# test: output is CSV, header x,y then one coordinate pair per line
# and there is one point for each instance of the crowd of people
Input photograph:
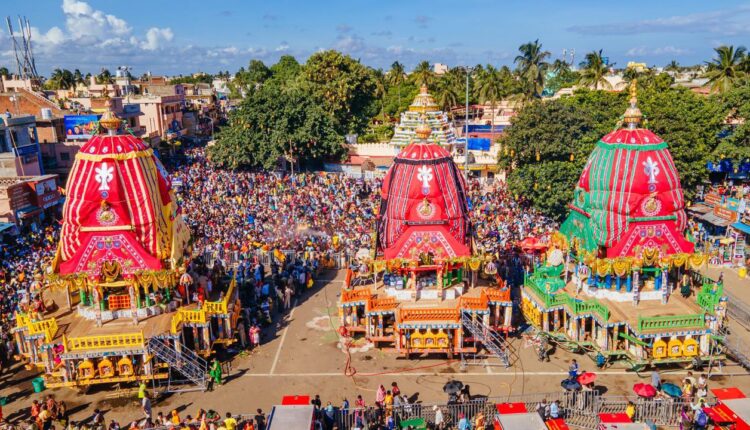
x,y
499,220
238,211
21,263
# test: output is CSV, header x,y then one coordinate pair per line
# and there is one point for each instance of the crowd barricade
x,y
580,409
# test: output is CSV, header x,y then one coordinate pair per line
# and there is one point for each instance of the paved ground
x,y
303,357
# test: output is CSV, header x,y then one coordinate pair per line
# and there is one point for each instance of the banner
x,y
80,126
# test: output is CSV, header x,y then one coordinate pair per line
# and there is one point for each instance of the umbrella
x,y
644,390
671,390
453,387
570,384
586,378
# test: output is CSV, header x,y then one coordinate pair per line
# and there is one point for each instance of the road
x,y
303,357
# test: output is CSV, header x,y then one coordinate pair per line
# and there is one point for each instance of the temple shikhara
x,y
617,280
424,109
119,305
423,292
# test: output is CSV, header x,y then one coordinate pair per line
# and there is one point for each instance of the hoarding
x,y
80,126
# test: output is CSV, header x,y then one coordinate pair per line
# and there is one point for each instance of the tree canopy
x,y
269,125
344,87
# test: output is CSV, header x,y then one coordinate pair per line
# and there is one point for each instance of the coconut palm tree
x,y
380,89
492,85
593,71
422,74
560,67
61,79
449,89
78,77
532,67
727,68
396,77
673,66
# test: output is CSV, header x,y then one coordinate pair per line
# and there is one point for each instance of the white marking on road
x,y
283,336
512,374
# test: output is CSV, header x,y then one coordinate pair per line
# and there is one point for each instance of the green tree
x,y
491,86
285,72
78,78
396,76
689,123
593,71
381,90
4,72
673,66
423,74
61,79
726,69
532,68
448,91
546,146
269,125
550,131
344,87
736,145
104,77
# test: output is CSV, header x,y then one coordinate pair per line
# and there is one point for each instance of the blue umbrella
x,y
570,384
671,390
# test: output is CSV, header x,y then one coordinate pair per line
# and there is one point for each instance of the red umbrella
x,y
644,390
586,378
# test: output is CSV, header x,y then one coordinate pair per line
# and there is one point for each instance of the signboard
x,y
713,199
26,150
20,196
80,126
725,213
45,191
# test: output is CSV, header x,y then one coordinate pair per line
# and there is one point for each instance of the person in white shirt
x,y
439,420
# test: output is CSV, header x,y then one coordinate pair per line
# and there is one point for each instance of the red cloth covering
x,y
295,400
614,418
721,414
557,424
650,234
728,393
629,186
423,198
118,208
511,408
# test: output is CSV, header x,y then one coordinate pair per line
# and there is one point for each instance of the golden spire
x,y
423,131
633,115
423,89
109,121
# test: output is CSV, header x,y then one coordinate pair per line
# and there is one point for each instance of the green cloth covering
x,y
578,226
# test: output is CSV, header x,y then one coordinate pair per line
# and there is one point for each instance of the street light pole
x,y
466,131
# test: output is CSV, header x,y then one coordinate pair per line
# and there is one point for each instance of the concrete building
x,y
19,147
26,199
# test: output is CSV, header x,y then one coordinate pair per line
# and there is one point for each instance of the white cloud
x,y
99,40
643,51
155,38
731,21
82,21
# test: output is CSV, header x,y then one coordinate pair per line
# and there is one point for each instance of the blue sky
x,y
184,36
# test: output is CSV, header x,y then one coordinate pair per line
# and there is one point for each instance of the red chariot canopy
x,y
424,208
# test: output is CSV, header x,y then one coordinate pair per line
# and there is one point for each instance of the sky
x,y
181,37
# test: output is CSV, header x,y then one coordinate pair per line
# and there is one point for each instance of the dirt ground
x,y
303,357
